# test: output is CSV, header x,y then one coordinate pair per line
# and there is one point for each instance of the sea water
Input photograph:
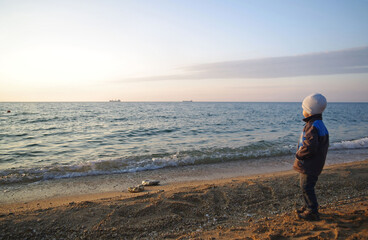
x,y
44,141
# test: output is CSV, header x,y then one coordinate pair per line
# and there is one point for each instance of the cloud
x,y
347,61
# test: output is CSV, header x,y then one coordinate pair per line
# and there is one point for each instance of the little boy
x,y
311,153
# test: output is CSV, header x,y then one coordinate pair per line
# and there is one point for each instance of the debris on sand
x,y
137,189
150,182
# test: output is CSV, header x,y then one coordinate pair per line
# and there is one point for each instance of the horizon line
x,y
183,101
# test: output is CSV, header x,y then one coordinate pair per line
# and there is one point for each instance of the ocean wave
x,y
13,135
128,164
145,132
41,120
352,144
143,163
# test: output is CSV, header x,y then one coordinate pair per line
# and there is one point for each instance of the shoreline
x,y
180,182
222,208
114,183
170,178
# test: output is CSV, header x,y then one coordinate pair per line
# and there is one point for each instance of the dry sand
x,y
256,207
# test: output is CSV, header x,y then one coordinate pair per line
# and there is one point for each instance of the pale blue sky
x,y
176,50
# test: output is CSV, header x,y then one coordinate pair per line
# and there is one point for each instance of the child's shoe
x,y
309,215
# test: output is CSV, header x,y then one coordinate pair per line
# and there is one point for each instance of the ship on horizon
x,y
114,100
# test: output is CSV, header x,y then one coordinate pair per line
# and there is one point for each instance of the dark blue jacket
x,y
312,147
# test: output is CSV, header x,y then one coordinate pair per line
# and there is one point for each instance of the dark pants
x,y
307,184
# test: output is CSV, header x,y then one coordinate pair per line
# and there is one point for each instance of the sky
x,y
171,50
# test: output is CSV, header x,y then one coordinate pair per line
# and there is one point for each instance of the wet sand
x,y
251,207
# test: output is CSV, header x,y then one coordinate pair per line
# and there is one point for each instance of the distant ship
x,y
187,100
115,100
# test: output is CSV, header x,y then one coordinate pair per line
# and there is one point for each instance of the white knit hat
x,y
314,104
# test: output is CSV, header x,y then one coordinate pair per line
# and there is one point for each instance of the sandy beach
x,y
250,207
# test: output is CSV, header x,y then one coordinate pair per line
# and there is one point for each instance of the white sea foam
x,y
136,164
150,162
353,144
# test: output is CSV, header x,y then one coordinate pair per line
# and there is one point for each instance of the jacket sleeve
x,y
310,144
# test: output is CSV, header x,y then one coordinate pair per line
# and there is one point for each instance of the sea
x,y
47,141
